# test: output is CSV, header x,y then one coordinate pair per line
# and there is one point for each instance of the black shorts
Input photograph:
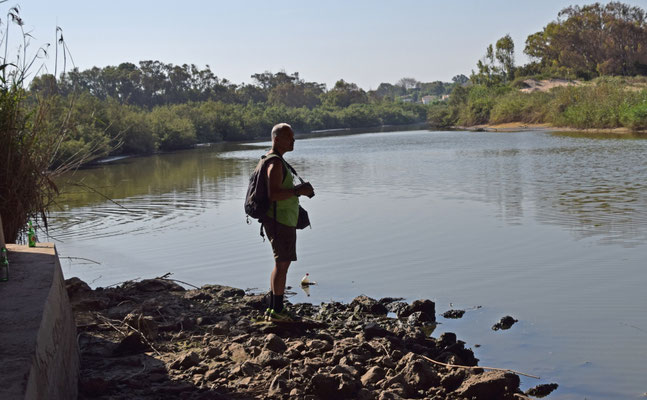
x,y
284,240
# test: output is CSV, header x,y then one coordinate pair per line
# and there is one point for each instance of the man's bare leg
x,y
277,283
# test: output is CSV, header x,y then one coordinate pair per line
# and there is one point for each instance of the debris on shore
x,y
155,339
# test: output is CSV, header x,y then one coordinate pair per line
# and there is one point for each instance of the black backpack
x,y
257,202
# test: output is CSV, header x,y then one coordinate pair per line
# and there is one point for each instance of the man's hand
x,y
305,189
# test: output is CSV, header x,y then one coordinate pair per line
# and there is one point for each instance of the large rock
x,y
131,344
489,385
334,386
75,286
275,343
83,298
390,395
318,345
238,353
372,376
452,380
453,314
271,359
446,339
257,302
186,361
344,369
155,285
146,325
323,386
399,308
419,318
365,304
421,375
247,368
504,323
373,330
197,295
543,390
397,384
224,291
347,385
426,306
279,385
212,375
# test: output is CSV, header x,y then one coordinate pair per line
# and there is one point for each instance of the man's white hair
x,y
280,128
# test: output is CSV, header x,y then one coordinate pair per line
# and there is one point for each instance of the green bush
x,y
479,102
439,115
171,130
520,107
591,106
635,116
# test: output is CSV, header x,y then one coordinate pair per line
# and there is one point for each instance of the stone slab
x,y
39,356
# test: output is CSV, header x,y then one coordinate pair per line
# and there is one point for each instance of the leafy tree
x,y
344,94
408,83
496,66
171,130
593,40
389,91
298,95
505,56
460,79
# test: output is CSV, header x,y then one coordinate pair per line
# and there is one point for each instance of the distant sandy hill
x,y
533,85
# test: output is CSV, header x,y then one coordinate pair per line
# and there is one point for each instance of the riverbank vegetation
x,y
29,138
595,55
155,106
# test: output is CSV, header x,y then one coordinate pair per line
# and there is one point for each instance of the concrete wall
x,y
39,357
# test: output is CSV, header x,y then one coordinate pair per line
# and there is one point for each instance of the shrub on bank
x,y
599,105
518,106
606,102
478,104
440,115
172,130
635,116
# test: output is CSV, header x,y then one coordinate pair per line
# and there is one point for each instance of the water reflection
x,y
591,187
594,189
113,199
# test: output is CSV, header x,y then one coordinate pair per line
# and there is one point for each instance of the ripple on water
x,y
137,215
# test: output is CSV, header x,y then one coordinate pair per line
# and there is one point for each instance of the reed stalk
x,y
29,140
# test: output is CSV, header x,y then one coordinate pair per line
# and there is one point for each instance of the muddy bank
x,y
520,127
154,339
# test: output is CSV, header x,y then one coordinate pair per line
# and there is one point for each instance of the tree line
x,y
139,109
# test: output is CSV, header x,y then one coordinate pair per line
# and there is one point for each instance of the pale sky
x,y
365,42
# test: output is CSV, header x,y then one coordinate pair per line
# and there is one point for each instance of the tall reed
x,y
29,142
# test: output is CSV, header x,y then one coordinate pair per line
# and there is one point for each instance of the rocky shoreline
x,y
154,339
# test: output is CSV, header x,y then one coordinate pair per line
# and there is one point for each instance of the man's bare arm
x,y
275,178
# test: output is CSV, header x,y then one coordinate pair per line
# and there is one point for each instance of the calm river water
x,y
549,228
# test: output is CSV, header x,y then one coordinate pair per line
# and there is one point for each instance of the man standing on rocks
x,y
281,219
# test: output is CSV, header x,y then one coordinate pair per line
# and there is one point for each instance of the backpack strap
x,y
286,164
283,163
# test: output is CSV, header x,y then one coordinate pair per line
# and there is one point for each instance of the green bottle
x,y
4,266
31,235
